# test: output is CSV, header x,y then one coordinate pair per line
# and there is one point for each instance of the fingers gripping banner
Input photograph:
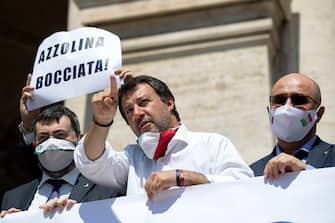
x,y
296,197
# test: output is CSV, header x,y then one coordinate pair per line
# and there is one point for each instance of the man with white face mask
x,y
57,132
167,154
294,111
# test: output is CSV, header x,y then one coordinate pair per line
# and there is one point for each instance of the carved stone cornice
x,y
155,29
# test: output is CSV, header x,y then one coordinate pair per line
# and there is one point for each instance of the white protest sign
x,y
73,63
296,197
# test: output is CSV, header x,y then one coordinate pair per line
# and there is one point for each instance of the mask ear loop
x,y
317,110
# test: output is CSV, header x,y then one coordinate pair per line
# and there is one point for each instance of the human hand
x,y
62,203
125,74
159,181
27,117
9,211
281,164
104,103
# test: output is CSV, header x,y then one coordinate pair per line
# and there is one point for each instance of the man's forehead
x,y
294,84
140,90
47,123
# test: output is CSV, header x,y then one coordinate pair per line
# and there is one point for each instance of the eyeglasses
x,y
296,99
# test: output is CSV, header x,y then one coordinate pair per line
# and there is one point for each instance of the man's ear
x,y
170,104
320,113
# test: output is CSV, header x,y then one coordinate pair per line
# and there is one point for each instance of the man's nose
x,y
138,110
289,101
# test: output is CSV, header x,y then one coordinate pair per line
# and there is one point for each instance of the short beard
x,y
165,122
59,173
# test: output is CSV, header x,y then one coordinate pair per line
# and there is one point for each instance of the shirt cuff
x,y
80,152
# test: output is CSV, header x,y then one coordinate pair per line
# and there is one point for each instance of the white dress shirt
x,y
44,189
208,153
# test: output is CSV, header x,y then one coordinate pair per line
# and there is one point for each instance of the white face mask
x,y
154,144
148,142
55,154
291,124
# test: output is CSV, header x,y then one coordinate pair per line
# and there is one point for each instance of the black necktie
x,y
301,154
56,184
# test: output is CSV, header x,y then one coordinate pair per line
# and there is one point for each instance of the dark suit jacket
x,y
321,155
83,191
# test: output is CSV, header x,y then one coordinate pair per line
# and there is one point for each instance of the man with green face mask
x,y
56,133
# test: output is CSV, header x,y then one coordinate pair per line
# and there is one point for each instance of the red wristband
x,y
180,178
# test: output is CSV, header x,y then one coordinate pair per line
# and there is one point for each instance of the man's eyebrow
x,y
43,133
141,97
127,106
61,131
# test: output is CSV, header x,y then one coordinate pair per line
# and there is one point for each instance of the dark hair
x,y
161,89
55,112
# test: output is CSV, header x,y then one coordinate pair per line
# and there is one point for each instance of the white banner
x,y
74,63
297,197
